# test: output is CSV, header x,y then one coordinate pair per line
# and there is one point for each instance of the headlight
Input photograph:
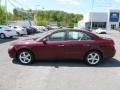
x,y
11,47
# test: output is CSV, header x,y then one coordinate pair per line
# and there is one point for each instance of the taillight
x,y
8,30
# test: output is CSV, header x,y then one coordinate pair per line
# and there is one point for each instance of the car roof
x,y
79,30
69,29
60,30
3,26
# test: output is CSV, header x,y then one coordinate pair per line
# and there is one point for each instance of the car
x,y
20,31
34,29
29,30
41,28
75,27
101,31
52,27
64,44
6,32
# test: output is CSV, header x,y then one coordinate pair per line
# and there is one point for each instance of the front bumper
x,y
12,52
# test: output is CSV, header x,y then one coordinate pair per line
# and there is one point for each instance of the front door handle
x,y
61,45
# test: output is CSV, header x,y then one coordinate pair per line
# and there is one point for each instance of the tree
x,y
2,15
60,17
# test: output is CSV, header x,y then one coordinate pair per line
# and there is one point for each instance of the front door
x,y
54,47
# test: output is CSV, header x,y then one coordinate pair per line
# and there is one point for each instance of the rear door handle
x,y
61,45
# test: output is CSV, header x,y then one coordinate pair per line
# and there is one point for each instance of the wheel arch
x,y
3,33
21,49
93,50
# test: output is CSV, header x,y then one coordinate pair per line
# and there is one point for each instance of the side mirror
x,y
44,40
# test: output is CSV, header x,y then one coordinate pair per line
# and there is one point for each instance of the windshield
x,y
44,34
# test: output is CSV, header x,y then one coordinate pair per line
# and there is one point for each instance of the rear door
x,y
76,45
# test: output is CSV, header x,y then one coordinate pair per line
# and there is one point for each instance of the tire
x,y
11,37
18,33
93,58
2,35
25,57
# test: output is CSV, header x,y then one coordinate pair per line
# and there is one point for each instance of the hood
x,y
26,42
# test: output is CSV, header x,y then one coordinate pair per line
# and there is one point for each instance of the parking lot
x,y
59,75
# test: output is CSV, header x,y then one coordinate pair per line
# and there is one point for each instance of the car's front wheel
x,y
2,36
25,57
93,58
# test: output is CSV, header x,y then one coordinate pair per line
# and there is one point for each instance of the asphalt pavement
x,y
59,75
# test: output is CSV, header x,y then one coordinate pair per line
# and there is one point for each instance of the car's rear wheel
x,y
2,36
93,58
25,57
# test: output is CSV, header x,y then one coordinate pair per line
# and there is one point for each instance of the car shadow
x,y
7,40
107,63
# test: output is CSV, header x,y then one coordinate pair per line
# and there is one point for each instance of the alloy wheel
x,y
93,58
25,57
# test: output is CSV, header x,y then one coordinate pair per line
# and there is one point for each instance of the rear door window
x,y
75,35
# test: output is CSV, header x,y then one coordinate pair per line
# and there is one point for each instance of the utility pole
x,y
37,14
6,12
91,15
29,17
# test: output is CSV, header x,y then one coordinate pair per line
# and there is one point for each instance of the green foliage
x,y
2,15
41,17
62,18
21,14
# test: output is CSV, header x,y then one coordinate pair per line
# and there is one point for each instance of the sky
x,y
71,6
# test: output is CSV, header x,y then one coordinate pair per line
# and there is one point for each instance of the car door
x,y
76,45
53,48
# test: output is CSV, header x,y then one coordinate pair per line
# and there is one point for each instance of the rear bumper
x,y
109,53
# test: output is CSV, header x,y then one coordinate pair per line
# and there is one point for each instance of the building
x,y
114,19
108,20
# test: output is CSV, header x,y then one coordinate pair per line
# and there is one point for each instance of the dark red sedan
x,y
64,45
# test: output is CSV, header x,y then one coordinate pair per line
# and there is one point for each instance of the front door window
x,y
59,36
